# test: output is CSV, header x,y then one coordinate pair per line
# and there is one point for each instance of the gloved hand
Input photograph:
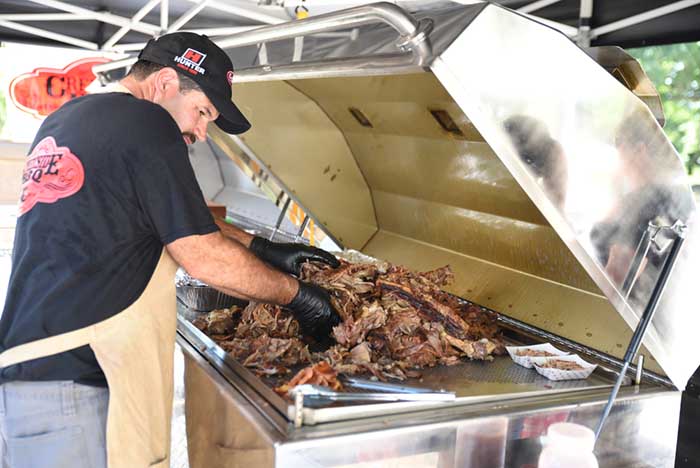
x,y
289,257
313,310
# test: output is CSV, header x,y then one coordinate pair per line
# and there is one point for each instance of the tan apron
x,y
135,351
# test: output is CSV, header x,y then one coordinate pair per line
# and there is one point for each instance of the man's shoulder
x,y
118,103
118,110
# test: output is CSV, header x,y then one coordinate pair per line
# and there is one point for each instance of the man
x,y
107,186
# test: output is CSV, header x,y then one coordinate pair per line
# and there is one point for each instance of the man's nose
x,y
200,130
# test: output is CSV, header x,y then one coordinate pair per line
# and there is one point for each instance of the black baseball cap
x,y
198,58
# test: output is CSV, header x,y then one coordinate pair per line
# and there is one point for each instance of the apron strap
x,y
47,346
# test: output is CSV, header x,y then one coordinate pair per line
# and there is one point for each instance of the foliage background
x,y
675,71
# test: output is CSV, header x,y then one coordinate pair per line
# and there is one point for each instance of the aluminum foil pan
x,y
204,298
200,296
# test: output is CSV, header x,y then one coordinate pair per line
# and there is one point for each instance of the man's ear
x,y
166,82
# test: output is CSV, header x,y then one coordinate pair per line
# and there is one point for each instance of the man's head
x,y
190,77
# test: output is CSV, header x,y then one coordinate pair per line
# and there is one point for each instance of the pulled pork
x,y
218,323
394,321
318,374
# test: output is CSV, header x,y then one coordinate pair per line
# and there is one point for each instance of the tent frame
x,y
261,13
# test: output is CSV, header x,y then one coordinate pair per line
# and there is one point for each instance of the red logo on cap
x,y
51,173
229,77
194,56
191,61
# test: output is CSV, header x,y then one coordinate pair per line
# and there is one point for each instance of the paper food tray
x,y
557,374
525,360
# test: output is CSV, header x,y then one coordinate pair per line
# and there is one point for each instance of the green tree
x,y
675,71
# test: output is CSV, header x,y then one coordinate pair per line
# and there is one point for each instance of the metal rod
x,y
188,15
329,3
646,16
221,31
643,324
262,55
365,66
357,396
298,49
280,218
227,31
413,37
126,48
245,12
49,35
656,294
639,255
394,16
135,19
302,228
280,196
640,370
44,17
109,18
103,67
164,14
583,36
530,7
586,9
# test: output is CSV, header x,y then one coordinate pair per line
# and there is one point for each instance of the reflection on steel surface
x,y
502,438
588,153
215,391
482,443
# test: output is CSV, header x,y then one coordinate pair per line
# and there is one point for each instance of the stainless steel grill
x,y
492,148
471,381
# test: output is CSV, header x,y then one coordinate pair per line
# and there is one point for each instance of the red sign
x,y
52,172
45,89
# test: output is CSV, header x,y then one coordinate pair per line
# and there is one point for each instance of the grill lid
x,y
502,126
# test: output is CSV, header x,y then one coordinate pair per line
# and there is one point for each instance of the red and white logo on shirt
x,y
191,61
52,172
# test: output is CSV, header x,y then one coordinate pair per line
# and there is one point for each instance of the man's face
x,y
191,110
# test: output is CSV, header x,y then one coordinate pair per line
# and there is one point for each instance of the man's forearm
x,y
229,230
229,266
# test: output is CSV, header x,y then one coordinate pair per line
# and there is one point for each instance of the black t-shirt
x,y
107,184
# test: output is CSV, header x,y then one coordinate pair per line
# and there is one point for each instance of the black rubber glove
x,y
313,310
289,257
